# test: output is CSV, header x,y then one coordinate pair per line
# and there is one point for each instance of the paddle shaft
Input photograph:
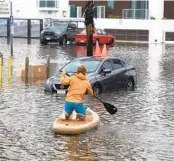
x,y
98,98
110,108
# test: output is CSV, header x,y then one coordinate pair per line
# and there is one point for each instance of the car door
x,y
119,71
100,36
72,31
106,80
106,37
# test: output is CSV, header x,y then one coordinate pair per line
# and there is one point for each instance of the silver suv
x,y
59,32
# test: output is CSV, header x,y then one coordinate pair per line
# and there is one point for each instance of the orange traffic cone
x,y
104,51
97,50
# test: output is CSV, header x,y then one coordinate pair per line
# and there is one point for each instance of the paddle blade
x,y
110,108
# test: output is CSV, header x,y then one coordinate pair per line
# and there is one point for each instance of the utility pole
x,y
89,14
11,28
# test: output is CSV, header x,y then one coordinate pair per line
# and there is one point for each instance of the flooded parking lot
x,y
142,129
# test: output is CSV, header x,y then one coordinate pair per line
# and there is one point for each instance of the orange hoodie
x,y
79,85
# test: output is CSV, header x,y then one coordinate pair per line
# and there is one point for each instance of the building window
x,y
111,4
136,4
100,11
47,3
139,9
73,11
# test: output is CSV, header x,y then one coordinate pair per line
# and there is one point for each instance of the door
x,y
106,79
100,36
119,71
106,37
72,31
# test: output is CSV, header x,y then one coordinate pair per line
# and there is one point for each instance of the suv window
x,y
72,26
117,64
59,27
103,32
106,65
99,32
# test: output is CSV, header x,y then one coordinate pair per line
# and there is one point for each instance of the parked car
x,y
59,32
104,74
100,35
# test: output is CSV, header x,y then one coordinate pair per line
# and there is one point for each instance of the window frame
x,y
46,4
75,16
103,32
121,62
101,67
100,13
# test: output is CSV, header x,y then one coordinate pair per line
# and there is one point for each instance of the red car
x,y
100,35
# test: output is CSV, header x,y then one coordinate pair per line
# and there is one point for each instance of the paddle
x,y
110,108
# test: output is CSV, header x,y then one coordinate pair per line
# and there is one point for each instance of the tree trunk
x,y
89,30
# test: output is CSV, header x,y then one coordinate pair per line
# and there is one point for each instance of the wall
x,y
117,11
169,9
156,8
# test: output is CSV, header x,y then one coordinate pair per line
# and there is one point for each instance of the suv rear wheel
x,y
64,40
111,42
43,42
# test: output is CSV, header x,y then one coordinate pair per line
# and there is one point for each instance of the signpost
x,y
6,11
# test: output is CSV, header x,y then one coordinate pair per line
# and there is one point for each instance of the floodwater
x,y
141,130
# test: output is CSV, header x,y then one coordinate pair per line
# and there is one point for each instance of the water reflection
x,y
0,73
155,54
82,50
79,148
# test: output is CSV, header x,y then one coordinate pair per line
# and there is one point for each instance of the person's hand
x,y
64,74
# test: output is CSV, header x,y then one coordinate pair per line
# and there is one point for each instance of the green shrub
x,y
114,17
152,18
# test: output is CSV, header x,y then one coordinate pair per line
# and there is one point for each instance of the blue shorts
x,y
78,107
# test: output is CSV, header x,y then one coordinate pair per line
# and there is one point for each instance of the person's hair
x,y
82,69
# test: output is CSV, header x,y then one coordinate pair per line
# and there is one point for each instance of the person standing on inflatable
x,y
78,86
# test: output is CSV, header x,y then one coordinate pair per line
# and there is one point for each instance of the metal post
x,y
48,67
8,30
11,27
26,69
41,25
29,31
9,72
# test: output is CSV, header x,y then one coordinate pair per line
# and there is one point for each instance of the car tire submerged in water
x,y
97,89
43,43
130,84
63,41
111,42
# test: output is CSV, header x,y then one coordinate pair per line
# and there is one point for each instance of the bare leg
x,y
80,117
67,116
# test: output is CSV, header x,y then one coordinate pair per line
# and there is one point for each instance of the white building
x,y
63,8
133,14
40,8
